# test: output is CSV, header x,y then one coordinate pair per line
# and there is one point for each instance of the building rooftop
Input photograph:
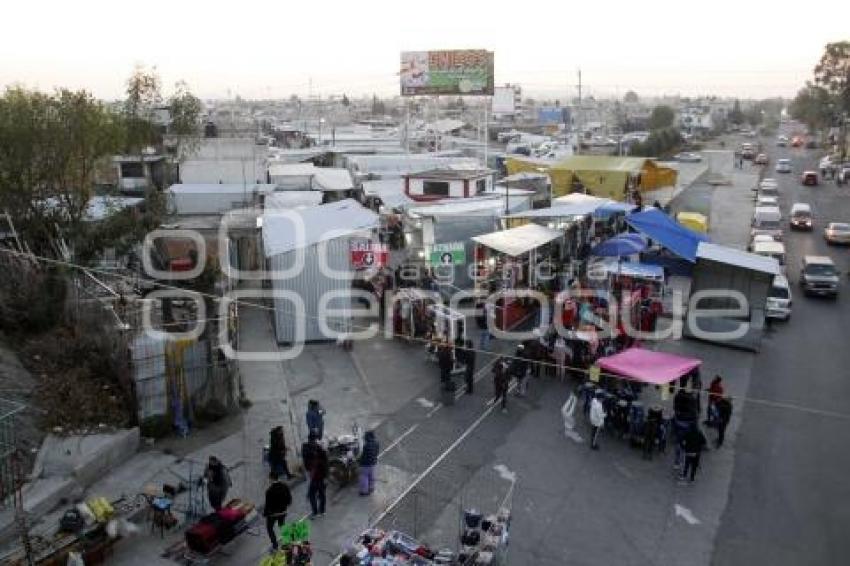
x,y
450,174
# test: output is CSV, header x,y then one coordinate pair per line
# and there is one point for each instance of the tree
x,y
832,74
52,149
736,116
812,107
345,101
661,117
185,109
378,108
143,96
631,97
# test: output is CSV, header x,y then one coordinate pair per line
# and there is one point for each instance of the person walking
x,y
500,383
316,464
597,420
693,444
469,370
278,500
715,393
368,461
218,482
559,352
446,362
277,454
519,370
489,324
315,419
723,408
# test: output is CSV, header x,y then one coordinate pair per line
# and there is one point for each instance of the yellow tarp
x,y
602,176
694,221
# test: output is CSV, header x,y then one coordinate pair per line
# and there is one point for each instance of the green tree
x,y
143,96
631,97
832,73
812,107
185,109
736,115
661,117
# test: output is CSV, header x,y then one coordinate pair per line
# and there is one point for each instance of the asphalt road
x,y
789,501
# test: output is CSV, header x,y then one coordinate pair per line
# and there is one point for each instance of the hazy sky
x,y
275,48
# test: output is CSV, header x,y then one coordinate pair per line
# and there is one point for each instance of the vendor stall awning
x,y
561,211
656,368
517,241
738,258
631,269
657,225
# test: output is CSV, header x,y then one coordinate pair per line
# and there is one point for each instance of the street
x,y
791,461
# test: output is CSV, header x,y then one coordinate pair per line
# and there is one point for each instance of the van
x,y
779,299
801,216
774,249
818,276
767,220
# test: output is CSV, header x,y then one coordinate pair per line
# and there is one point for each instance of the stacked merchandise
x,y
220,527
484,539
376,547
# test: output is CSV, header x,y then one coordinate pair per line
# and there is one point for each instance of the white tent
x,y
518,241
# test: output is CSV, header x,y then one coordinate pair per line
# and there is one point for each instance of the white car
x,y
759,239
765,200
783,166
779,299
837,233
782,141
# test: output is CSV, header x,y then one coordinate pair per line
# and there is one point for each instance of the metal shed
x,y
318,239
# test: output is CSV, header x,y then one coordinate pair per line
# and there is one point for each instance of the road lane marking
x,y
398,440
686,514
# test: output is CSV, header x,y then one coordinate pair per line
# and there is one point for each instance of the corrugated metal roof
x,y
738,258
562,211
282,232
602,163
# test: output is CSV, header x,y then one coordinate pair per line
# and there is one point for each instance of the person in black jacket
x,y
277,453
469,362
278,500
693,444
724,414
218,482
316,464
446,362
368,461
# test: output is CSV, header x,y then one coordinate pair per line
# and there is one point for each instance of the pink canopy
x,y
647,366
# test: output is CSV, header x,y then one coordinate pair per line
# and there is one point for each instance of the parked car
x,y
767,220
809,178
783,165
779,299
773,249
818,276
761,159
837,233
801,216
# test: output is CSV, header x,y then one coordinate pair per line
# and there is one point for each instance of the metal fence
x,y
9,476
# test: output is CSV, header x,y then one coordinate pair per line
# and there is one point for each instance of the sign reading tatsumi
x,y
454,72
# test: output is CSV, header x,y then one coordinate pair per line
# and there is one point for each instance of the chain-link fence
x,y
8,447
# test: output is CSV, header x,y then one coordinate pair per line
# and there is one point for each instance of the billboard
x,y
503,100
453,253
553,115
368,254
454,72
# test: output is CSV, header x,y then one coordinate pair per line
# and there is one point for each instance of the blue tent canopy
x,y
611,208
656,225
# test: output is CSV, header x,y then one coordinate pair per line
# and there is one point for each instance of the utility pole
x,y
578,116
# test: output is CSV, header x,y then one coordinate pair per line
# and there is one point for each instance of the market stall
x,y
412,317
507,262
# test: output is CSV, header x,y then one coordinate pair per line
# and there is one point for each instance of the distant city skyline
x,y
258,50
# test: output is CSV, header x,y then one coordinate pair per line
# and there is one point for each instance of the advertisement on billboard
x,y
503,100
368,254
453,253
553,115
454,72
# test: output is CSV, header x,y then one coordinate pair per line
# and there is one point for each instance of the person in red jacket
x,y
316,463
715,394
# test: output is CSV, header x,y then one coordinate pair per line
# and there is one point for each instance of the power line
x,y
424,341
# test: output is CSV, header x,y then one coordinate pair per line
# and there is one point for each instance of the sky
x,y
272,49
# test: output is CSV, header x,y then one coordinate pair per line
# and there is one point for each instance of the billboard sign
x,y
503,100
453,253
453,72
553,115
368,254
